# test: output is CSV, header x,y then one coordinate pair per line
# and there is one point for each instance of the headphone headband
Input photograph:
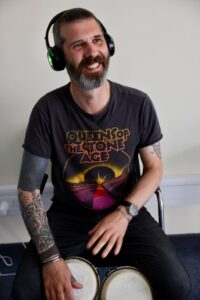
x,y
55,55
53,21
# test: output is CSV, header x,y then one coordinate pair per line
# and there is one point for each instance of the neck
x,y
92,101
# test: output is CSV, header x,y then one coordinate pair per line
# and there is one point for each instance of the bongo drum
x,y
125,283
84,272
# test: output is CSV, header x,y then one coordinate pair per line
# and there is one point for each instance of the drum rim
x,y
114,270
93,268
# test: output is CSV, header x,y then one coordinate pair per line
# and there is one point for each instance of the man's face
x,y
86,53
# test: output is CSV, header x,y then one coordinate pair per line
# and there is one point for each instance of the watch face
x,y
133,210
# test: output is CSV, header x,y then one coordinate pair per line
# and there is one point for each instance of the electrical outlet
x,y
3,208
9,200
13,208
9,207
9,203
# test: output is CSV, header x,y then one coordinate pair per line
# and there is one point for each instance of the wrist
x,y
131,208
52,260
124,212
49,254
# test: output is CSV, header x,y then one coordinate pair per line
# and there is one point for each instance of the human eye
x,y
78,45
98,40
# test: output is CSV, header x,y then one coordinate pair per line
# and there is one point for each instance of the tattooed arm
x,y
35,218
32,207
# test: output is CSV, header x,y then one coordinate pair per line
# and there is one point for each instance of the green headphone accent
x,y
55,55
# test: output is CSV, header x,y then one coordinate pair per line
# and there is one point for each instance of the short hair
x,y
70,16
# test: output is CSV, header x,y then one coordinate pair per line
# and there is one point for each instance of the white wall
x,y
157,50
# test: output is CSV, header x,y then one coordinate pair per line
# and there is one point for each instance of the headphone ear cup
x,y
110,43
56,58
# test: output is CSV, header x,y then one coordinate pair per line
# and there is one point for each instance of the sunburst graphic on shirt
x,y
96,178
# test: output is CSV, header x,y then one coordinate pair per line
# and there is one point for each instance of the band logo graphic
x,y
95,146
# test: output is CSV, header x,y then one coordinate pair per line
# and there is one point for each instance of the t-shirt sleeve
x,y
38,133
150,131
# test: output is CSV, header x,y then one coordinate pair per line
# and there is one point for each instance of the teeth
x,y
93,66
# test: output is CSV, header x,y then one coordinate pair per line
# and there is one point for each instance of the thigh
x,y
148,248
28,279
70,232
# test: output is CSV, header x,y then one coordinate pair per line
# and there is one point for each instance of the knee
x,y
23,292
182,286
176,286
17,292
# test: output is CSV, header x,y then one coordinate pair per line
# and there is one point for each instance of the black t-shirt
x,y
94,157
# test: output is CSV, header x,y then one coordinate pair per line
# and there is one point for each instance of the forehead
x,y
80,29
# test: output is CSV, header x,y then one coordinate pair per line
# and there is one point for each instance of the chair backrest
x,y
42,185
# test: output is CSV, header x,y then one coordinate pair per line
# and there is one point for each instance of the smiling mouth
x,y
93,66
92,63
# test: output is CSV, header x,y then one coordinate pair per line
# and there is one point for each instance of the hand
x,y
109,232
58,281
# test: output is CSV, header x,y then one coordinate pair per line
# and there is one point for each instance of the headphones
x,y
55,54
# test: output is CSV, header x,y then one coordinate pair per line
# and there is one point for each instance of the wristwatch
x,y
132,208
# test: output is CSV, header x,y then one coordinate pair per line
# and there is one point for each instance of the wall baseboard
x,y
176,190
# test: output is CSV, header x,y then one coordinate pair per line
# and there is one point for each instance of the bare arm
x,y
109,232
151,177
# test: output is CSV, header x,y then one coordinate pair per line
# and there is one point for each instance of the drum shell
x,y
106,292
84,277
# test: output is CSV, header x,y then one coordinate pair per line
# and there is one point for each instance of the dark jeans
x,y
145,247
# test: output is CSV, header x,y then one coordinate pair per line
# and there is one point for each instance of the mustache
x,y
91,60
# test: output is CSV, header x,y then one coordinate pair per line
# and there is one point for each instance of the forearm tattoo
x,y
156,149
35,218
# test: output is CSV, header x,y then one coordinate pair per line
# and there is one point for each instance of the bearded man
x,y
94,131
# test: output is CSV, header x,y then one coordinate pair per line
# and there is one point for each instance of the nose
x,y
90,49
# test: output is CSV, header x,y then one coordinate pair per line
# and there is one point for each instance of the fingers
x,y
114,241
118,245
101,243
109,246
107,239
108,234
59,286
47,294
51,294
96,234
69,291
75,283
62,296
59,294
68,294
94,229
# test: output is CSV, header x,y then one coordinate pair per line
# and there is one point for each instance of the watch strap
x,y
125,203
132,208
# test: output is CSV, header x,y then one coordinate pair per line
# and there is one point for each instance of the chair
x,y
161,219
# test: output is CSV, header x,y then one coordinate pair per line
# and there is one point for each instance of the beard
x,y
85,80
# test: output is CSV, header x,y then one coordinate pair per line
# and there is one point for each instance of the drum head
x,y
125,283
85,273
